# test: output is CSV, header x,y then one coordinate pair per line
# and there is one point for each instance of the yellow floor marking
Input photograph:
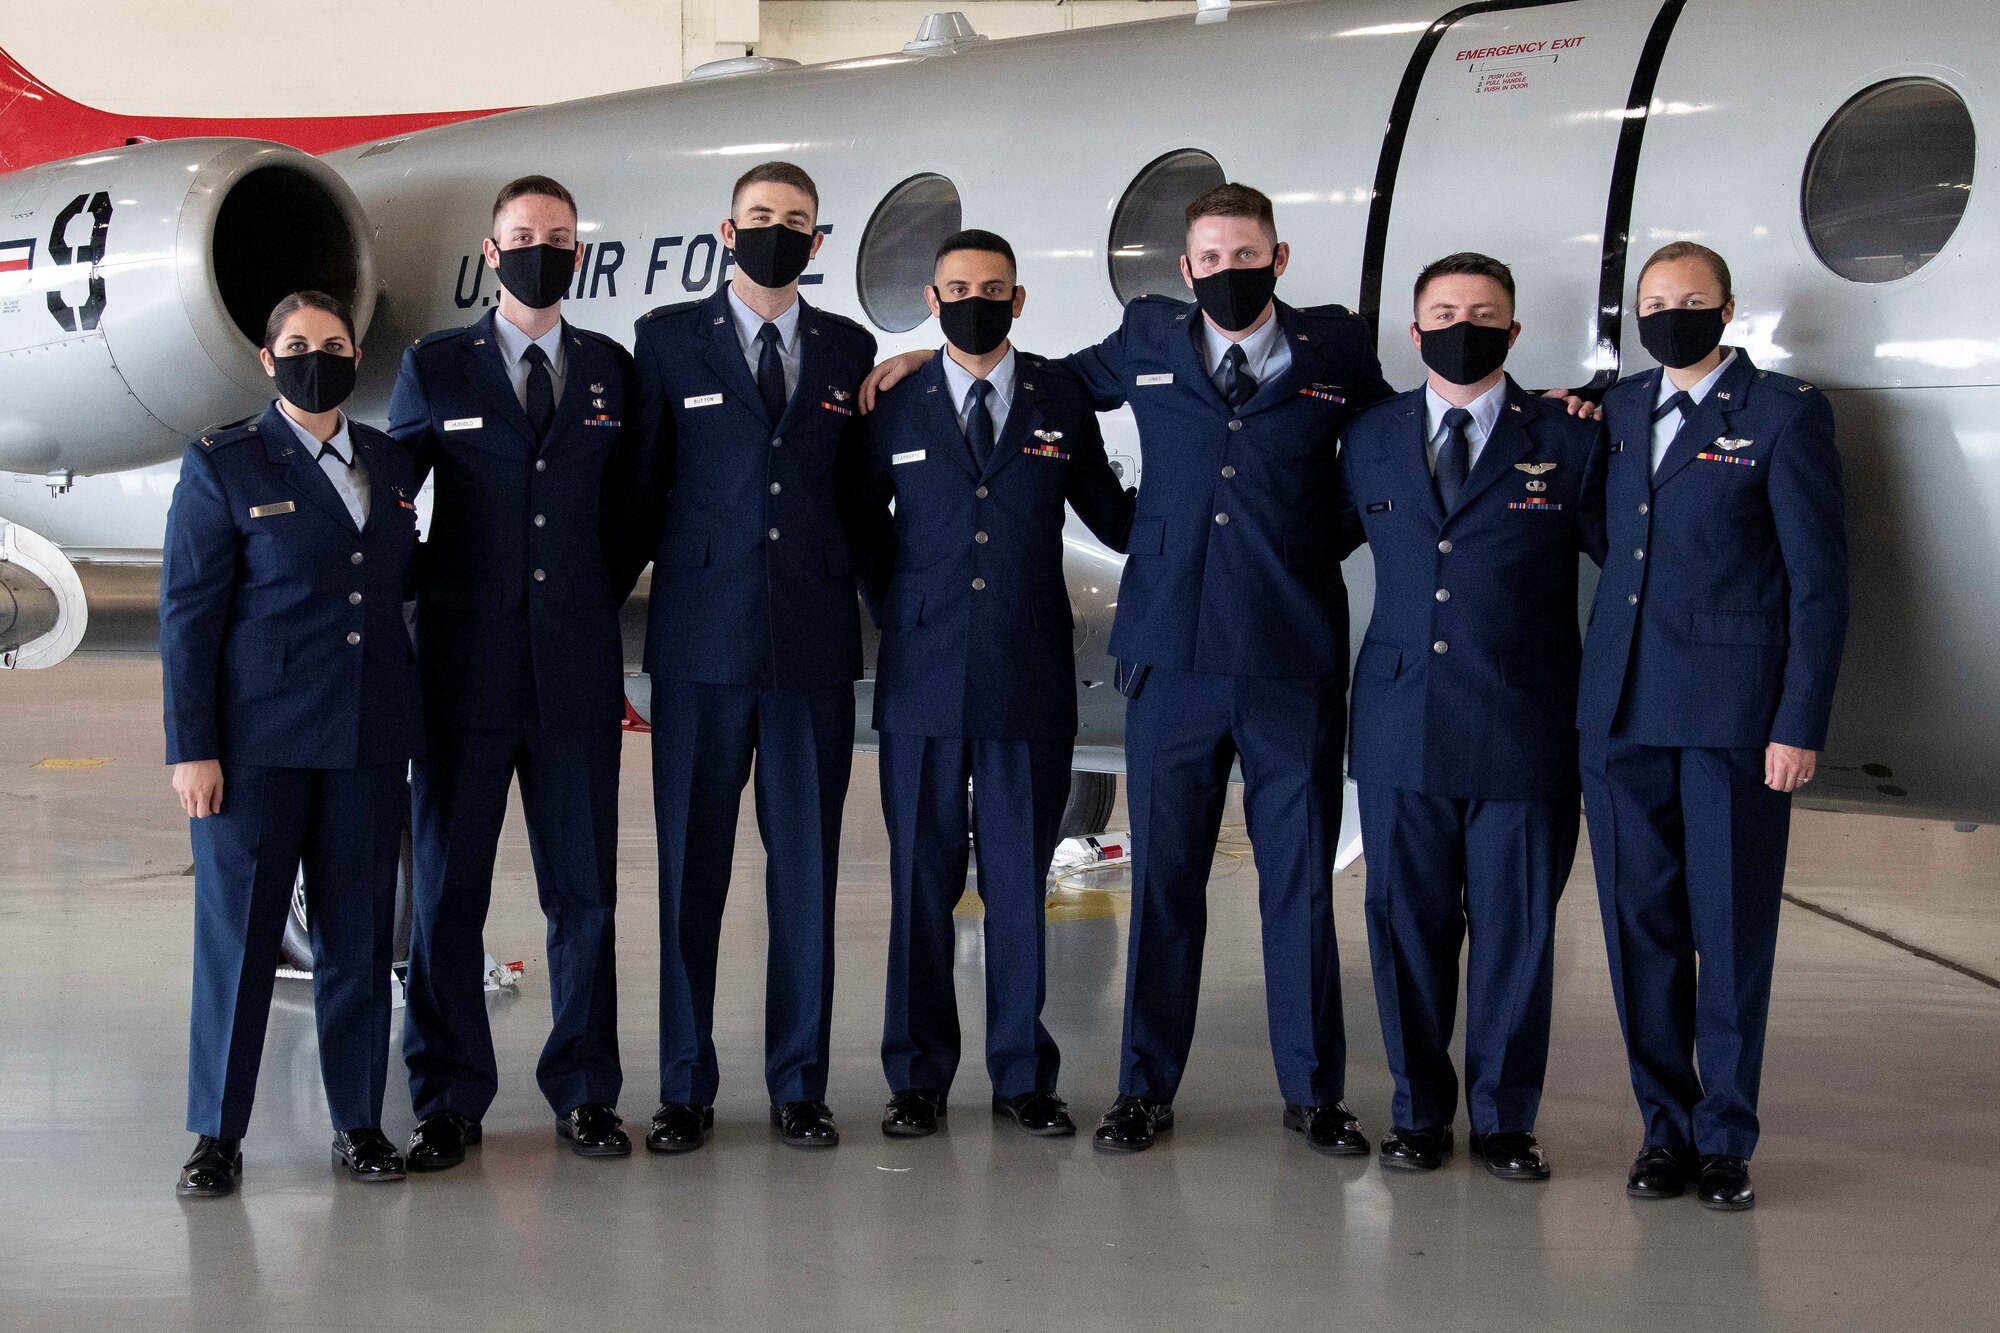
x,y
70,763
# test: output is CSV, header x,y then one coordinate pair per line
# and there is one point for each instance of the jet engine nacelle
x,y
132,306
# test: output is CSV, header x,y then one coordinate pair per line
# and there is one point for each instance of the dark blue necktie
x,y
979,425
1680,403
541,395
1453,460
1232,379
771,373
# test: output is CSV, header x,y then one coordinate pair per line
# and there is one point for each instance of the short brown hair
x,y
306,300
776,173
1233,201
1674,250
526,185
1466,263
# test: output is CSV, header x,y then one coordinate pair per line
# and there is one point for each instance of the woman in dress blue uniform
x,y
1707,681
292,712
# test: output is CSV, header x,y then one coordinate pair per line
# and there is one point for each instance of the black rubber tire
x,y
295,951
1091,797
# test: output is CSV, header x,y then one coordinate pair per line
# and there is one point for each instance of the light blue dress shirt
x,y
1485,411
959,380
514,345
1265,355
341,463
749,324
1669,425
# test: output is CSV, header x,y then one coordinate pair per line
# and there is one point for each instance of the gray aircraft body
x,y
1828,151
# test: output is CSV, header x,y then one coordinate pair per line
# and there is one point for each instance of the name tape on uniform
x,y
265,511
702,400
465,423
1143,380
914,456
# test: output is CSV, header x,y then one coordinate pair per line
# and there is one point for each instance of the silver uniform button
x,y
1229,470
354,599
980,494
1631,599
1440,647
1222,520
979,537
541,465
776,487
541,575
354,559
1445,547
1639,554
541,521
354,636
774,534
979,585
1444,594
1643,508
1236,425
777,440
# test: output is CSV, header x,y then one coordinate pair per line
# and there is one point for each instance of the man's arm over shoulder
x,y
1101,369
1093,489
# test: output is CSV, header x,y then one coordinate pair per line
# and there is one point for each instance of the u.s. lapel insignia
x,y
1027,386
1724,442
1048,436
719,319
479,342
1514,407
1723,394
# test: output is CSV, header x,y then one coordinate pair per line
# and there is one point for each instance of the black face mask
x,y
1465,352
314,381
537,275
773,256
976,325
1679,337
1234,297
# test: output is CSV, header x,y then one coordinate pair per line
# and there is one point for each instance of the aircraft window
x,y
1889,179
1149,230
898,247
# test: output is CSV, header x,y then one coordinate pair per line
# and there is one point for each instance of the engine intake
x,y
153,270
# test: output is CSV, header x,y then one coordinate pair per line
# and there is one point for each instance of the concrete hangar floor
x,y
1878,1179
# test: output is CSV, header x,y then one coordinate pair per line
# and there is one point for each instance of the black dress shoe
x,y
367,1155
1725,1184
1415,1149
592,1131
1658,1173
679,1127
1511,1155
440,1140
1132,1124
1039,1113
212,1170
913,1114
1332,1129
805,1124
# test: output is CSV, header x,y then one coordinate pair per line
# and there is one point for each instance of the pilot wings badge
x,y
1536,469
1724,442
1048,436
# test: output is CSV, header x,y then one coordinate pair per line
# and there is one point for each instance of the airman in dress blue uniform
x,y
1231,639
1708,677
519,419
747,485
292,711
975,680
1476,499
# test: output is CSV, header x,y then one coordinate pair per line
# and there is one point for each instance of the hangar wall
x,y
366,57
